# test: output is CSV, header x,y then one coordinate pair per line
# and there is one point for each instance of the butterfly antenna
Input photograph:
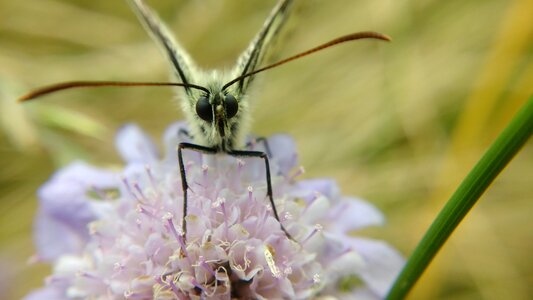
x,y
49,89
340,40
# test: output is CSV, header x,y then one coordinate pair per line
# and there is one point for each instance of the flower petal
x,y
354,213
46,293
283,150
172,138
245,259
66,208
316,211
382,264
134,145
262,287
307,189
53,238
67,196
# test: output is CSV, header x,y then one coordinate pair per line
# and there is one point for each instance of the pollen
x,y
269,257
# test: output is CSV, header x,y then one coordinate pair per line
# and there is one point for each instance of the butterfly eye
x,y
204,109
231,106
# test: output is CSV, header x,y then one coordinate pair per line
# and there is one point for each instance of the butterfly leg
x,y
260,140
183,175
264,156
185,133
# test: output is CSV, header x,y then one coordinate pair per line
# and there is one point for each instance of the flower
x,y
115,234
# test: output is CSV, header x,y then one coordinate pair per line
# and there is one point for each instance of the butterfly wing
x,y
179,58
252,57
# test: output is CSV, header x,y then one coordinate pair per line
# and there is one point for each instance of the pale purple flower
x,y
115,233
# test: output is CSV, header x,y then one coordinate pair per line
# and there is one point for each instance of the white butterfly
x,y
219,116
215,103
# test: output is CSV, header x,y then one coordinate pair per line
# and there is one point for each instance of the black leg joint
x,y
264,156
183,176
261,140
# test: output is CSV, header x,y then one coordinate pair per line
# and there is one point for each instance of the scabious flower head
x,y
116,234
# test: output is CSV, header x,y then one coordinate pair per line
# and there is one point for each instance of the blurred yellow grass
x,y
389,121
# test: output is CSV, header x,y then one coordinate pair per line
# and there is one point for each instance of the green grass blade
x,y
476,182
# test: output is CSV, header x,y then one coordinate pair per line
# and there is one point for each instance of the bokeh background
x,y
399,124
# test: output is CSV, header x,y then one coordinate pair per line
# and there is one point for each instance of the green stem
x,y
476,182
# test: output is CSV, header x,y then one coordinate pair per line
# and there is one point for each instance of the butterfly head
x,y
217,110
216,114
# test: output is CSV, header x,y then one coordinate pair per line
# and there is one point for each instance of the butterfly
x,y
215,103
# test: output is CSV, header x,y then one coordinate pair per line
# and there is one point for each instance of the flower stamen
x,y
317,228
178,235
128,187
300,171
250,193
139,190
148,169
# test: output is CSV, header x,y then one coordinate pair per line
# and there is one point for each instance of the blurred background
x,y
399,123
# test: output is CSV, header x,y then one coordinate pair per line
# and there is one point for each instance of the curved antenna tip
x,y
24,98
369,35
